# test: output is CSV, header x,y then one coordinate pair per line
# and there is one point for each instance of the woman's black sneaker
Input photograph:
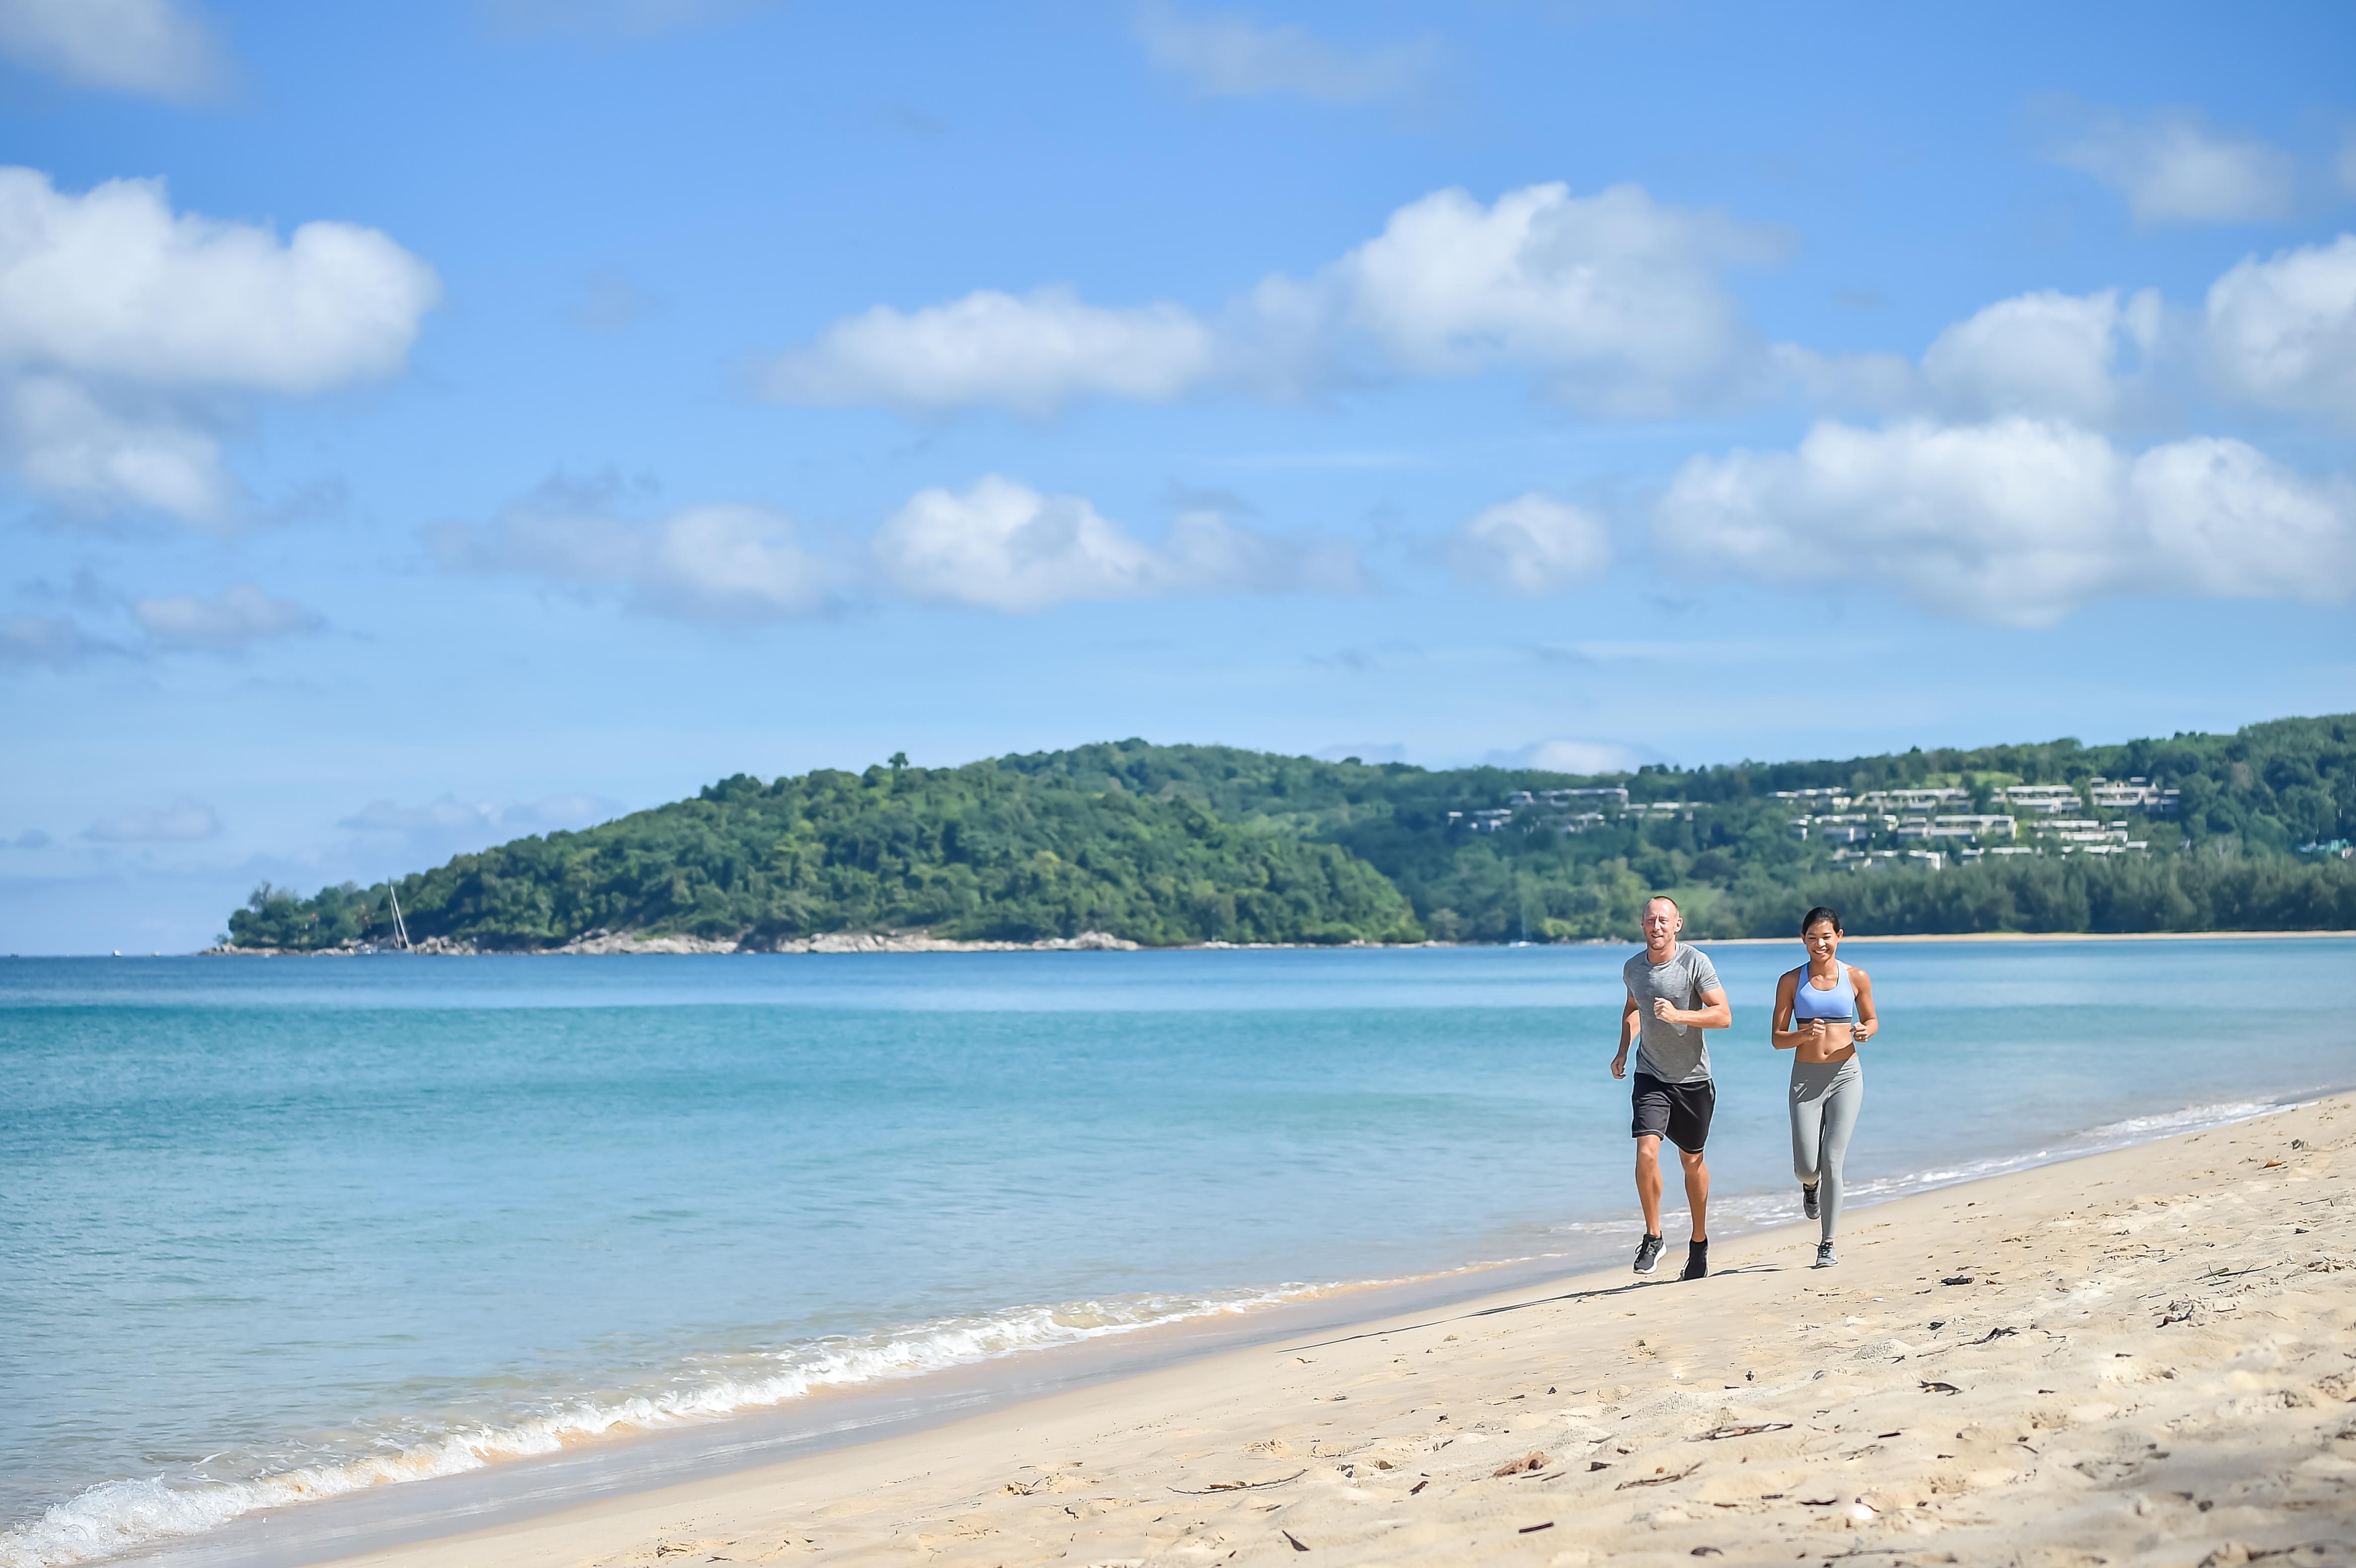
x,y
1697,1260
1648,1254
1808,1202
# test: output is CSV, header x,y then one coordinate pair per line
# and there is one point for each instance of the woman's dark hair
x,y
1821,913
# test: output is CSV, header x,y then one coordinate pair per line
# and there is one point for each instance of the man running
x,y
1673,997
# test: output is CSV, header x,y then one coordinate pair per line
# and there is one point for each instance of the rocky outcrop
x,y
921,942
599,943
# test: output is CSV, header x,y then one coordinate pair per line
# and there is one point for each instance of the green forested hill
x,y
1169,844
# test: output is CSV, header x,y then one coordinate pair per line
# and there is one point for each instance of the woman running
x,y
1823,1009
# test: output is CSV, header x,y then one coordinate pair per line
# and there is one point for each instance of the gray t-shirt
x,y
1673,1053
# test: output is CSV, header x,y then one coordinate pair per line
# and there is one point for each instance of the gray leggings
x,y
1825,1098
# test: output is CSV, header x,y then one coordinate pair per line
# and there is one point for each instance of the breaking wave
x,y
120,1515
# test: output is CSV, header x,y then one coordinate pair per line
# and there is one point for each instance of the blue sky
x,y
423,426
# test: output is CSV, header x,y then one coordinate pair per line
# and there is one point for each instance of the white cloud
x,y
2017,521
2278,332
1007,546
1030,354
387,835
448,815
121,321
722,563
1615,300
57,642
1532,544
1615,297
1585,758
184,821
1230,57
2282,332
2174,169
1004,545
229,621
156,48
65,444
2095,359
381,816
2043,353
113,283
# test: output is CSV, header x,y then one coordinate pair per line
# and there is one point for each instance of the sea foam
x,y
117,1516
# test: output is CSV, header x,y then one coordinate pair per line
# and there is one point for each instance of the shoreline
x,y
527,1494
2135,1354
606,944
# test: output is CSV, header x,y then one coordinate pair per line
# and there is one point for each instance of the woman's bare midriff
x,y
1828,1052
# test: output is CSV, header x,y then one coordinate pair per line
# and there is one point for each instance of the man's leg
x,y
1648,1182
1697,1192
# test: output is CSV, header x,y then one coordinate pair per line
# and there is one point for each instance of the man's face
x,y
1662,923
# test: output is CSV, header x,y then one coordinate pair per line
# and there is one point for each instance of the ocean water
x,y
276,1231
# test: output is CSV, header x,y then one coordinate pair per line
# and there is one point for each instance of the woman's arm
x,y
1867,1021
1780,1033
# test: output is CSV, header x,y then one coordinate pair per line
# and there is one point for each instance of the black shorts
x,y
1679,1112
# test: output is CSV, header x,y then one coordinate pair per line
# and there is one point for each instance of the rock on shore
x,y
595,943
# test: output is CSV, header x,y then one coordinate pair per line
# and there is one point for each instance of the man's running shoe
x,y
1648,1254
1808,1202
1697,1260
1825,1259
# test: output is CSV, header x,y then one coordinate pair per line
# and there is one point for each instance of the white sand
x,y
2147,1359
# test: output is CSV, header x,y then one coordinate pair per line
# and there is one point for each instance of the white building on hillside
x,y
1614,794
2131,794
1914,799
2045,799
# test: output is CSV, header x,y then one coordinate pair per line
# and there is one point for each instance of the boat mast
x,y
400,927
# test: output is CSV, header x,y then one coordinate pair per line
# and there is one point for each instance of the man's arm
x,y
1715,1011
1629,1024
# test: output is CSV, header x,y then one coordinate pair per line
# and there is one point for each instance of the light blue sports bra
x,y
1838,1004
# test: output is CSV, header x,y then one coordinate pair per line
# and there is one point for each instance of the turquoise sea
x,y
276,1231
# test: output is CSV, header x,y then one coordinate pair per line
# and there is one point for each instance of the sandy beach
x,y
2143,1356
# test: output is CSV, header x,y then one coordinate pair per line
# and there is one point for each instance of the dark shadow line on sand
x,y
1519,1305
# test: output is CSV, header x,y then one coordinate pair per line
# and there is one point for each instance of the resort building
x,y
2075,829
1616,794
1865,860
1914,799
2045,799
1850,827
2131,794
2075,834
1959,825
